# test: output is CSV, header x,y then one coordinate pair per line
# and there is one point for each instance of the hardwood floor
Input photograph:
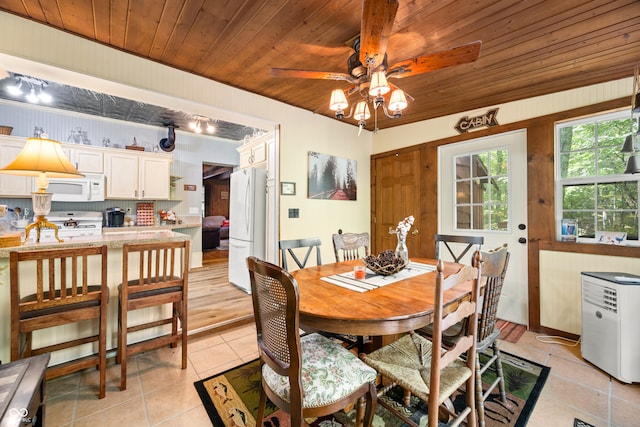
x,y
215,304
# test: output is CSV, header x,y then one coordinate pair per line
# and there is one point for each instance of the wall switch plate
x,y
194,210
294,213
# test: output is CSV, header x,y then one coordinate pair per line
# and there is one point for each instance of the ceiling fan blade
x,y
376,26
435,61
309,74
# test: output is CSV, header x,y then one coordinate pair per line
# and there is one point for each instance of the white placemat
x,y
373,281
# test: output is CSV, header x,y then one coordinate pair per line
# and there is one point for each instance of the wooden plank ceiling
x,y
529,47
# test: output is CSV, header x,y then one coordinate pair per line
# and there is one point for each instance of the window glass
x,y
592,187
482,191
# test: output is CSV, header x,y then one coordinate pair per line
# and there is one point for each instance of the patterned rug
x,y
231,399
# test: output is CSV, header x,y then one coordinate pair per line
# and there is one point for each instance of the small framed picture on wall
x,y
288,188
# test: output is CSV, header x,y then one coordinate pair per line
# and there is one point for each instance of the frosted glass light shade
x,y
362,111
398,101
379,85
338,100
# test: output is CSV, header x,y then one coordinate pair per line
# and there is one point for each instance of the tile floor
x,y
159,393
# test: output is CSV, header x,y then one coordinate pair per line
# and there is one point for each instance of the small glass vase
x,y
401,248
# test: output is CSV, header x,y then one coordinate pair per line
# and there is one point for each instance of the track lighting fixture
x,y
197,123
34,85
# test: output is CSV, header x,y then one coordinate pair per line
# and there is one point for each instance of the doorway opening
x,y
216,180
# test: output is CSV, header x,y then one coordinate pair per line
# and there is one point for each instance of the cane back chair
x,y
308,376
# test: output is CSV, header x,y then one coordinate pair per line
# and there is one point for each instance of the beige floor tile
x,y
576,397
60,410
168,402
129,413
628,392
212,357
238,332
200,343
194,417
625,413
245,345
579,373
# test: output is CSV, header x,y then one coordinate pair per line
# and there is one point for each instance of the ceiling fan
x,y
368,71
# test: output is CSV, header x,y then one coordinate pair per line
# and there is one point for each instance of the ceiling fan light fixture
x,y
398,101
379,85
338,100
362,111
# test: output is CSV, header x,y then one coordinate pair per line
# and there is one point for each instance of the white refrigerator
x,y
247,222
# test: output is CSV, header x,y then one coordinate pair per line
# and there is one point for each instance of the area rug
x,y
579,423
231,399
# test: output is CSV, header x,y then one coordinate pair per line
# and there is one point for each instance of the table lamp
x,y
44,158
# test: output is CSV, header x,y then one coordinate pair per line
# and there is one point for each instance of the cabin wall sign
x,y
488,119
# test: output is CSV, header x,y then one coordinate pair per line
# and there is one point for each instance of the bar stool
x,y
62,296
161,277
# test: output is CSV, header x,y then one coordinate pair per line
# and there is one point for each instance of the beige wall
x,y
38,50
511,112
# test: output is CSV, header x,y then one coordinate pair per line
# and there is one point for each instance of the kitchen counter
x,y
114,241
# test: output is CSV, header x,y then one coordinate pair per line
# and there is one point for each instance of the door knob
x,y
522,227
415,232
522,240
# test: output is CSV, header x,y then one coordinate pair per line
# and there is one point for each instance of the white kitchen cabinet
x,y
137,176
254,153
13,185
85,159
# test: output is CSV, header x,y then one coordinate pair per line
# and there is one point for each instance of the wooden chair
x,y
427,370
308,376
161,277
494,269
350,244
288,246
63,295
453,245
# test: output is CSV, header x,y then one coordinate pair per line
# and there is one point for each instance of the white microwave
x,y
89,188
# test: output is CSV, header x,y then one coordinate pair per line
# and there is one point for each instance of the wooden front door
x,y
396,195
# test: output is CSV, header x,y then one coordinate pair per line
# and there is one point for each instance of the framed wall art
x,y
332,177
288,188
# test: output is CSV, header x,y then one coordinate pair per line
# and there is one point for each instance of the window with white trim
x,y
591,186
482,190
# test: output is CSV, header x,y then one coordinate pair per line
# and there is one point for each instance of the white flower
x,y
403,227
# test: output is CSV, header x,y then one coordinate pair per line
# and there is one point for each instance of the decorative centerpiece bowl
x,y
386,263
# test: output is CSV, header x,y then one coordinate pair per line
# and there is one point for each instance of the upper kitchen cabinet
x,y
137,176
84,158
254,152
13,185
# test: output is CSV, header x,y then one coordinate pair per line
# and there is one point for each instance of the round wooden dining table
x,y
398,307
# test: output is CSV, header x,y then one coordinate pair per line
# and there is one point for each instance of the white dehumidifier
x,y
611,323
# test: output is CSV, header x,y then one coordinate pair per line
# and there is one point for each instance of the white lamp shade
x,y
398,101
338,100
362,111
42,156
379,85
